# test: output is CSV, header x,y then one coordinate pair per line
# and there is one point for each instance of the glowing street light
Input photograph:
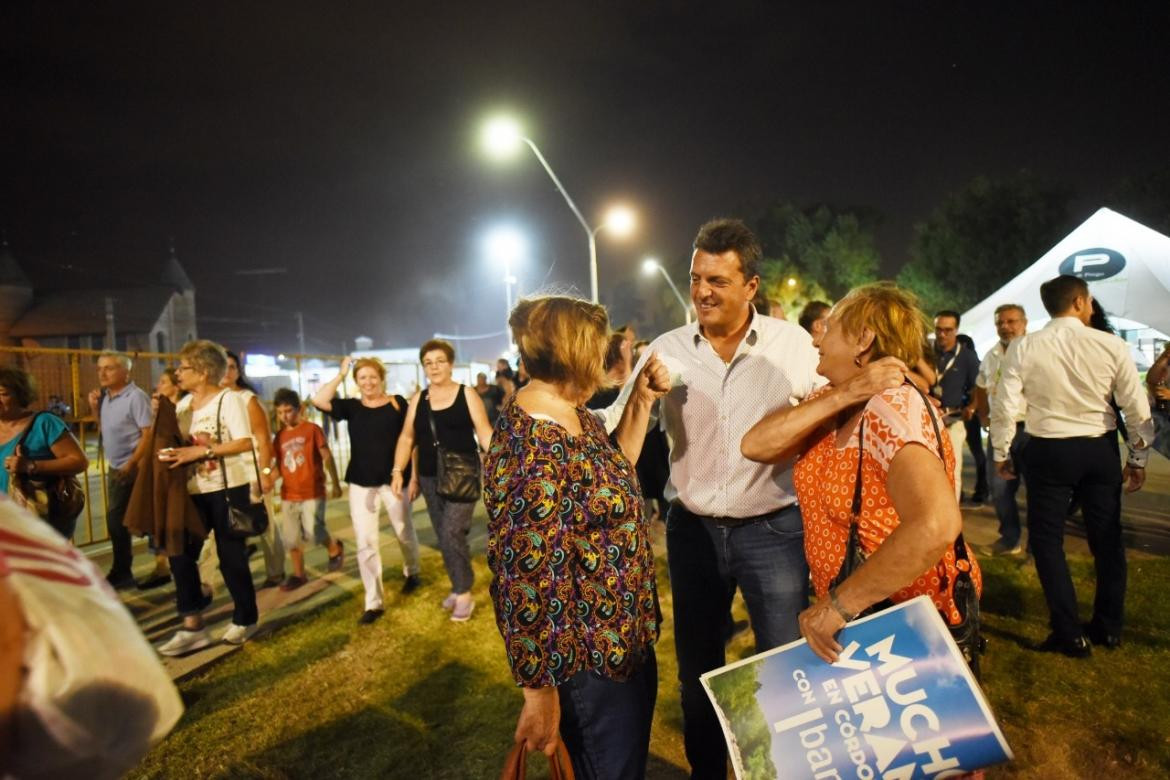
x,y
649,266
502,136
791,281
506,246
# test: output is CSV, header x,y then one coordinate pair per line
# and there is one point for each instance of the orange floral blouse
x,y
825,477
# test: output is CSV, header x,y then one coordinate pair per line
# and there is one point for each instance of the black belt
x,y
736,522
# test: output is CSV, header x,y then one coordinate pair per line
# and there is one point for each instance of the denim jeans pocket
x,y
786,523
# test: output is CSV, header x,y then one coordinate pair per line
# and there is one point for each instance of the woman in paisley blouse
x,y
909,518
572,567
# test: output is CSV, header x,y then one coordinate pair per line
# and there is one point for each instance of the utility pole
x,y
111,334
301,332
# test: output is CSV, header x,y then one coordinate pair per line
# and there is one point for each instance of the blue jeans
x,y
605,724
1003,492
709,559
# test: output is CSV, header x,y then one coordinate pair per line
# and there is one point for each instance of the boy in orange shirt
x,y
303,456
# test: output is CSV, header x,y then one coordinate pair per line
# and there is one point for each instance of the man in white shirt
x,y
1011,322
732,523
1067,372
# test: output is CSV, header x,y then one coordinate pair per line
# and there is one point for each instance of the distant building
x,y
157,315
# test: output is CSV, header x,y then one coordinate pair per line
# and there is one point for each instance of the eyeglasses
x,y
435,362
181,367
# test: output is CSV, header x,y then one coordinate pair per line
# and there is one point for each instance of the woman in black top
x,y
460,419
375,424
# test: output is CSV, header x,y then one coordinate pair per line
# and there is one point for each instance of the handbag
x,y
57,499
244,519
967,633
559,765
457,475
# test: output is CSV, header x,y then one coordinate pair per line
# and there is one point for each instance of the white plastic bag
x,y
94,697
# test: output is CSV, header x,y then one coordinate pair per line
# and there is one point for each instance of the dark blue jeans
x,y
1003,491
605,724
233,560
708,560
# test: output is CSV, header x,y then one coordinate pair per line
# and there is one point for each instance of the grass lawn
x,y
416,696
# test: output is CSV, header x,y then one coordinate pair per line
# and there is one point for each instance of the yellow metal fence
x,y
70,374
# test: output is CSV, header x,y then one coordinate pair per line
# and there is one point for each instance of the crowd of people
x,y
752,438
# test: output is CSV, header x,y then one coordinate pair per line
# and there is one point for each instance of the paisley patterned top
x,y
825,477
572,567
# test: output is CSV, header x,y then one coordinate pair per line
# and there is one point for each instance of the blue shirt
x,y
958,370
123,417
43,432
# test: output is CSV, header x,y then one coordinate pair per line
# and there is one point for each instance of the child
x,y
303,457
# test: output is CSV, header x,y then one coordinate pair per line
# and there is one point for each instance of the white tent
x,y
1126,264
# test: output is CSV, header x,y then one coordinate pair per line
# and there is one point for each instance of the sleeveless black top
x,y
453,425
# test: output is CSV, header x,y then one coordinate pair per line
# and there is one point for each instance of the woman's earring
x,y
857,360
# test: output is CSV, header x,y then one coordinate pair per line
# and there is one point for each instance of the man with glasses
x,y
957,368
1067,372
123,413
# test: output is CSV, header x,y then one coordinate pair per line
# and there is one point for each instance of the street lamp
x,y
506,246
649,266
502,137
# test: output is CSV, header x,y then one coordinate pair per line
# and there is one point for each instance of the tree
x,y
982,236
1145,198
827,249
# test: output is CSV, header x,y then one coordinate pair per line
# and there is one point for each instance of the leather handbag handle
x,y
559,765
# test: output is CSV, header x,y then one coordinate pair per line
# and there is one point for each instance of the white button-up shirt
x,y
712,404
989,373
1067,372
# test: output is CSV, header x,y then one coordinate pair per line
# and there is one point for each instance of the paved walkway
x,y
1146,520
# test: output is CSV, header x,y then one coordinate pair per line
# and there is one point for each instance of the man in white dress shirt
x,y
1067,373
733,523
1011,322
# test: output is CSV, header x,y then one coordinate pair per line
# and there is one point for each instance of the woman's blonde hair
x,y
891,314
369,362
562,340
206,357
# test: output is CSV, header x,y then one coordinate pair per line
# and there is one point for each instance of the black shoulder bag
x,y
244,520
967,634
457,476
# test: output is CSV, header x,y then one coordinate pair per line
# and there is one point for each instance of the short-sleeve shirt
x,y
43,432
825,478
568,548
302,471
199,426
373,436
124,416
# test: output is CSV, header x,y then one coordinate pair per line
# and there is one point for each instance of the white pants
x,y
958,433
363,511
269,543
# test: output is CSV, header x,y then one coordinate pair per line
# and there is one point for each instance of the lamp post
x,y
506,245
502,137
649,266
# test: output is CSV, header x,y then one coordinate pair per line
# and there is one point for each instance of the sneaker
x,y
369,616
273,582
121,581
237,635
185,641
999,547
155,580
1077,647
335,561
461,614
411,584
449,602
292,583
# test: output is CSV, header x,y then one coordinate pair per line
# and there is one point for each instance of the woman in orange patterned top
x,y
869,414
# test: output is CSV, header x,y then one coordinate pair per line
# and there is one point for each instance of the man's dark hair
x,y
948,313
286,396
613,352
724,235
812,311
1058,294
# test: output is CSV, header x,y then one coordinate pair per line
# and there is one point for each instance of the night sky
x,y
339,140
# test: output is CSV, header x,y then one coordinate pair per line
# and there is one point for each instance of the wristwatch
x,y
266,470
209,454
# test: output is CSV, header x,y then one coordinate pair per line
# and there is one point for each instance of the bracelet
x,y
835,604
32,468
396,471
209,454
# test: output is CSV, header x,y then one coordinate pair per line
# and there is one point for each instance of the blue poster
x,y
899,704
